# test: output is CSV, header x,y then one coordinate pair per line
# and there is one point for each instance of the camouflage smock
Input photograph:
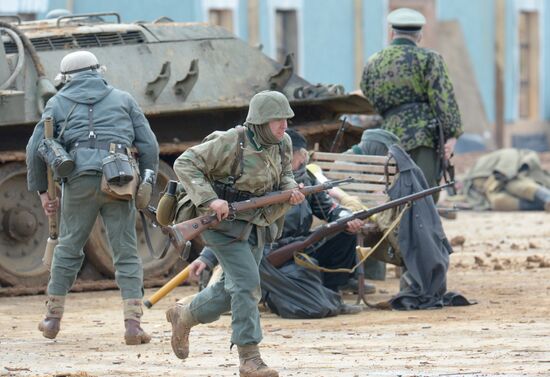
x,y
410,87
263,172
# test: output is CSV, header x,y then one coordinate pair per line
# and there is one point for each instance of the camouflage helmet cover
x,y
268,105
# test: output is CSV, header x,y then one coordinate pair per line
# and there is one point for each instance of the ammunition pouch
x,y
117,169
120,173
122,192
230,194
55,155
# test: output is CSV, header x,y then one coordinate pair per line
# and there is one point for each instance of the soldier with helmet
x,y
410,88
234,165
93,123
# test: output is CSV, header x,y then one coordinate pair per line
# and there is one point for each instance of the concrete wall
x,y
477,21
134,10
327,32
545,84
329,42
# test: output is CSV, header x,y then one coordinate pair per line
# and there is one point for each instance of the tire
x,y
24,230
99,252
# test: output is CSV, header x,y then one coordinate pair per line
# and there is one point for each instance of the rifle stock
x,y
280,256
190,229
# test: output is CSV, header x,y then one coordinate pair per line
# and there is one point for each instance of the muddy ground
x,y
504,264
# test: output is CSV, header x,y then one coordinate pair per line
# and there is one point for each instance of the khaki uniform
x,y
503,180
237,244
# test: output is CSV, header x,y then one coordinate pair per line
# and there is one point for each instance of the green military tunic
x,y
410,87
237,244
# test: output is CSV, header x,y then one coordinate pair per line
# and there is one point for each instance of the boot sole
x,y
50,334
175,341
136,340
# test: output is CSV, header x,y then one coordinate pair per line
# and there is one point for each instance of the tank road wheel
x,y
98,249
24,230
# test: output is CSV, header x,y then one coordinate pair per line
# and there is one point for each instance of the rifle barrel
x,y
280,256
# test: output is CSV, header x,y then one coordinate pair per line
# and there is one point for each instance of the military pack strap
x,y
91,136
239,160
66,121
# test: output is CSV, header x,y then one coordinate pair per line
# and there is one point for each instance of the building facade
x,y
332,39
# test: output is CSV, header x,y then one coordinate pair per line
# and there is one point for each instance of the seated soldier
x,y
336,252
505,180
419,244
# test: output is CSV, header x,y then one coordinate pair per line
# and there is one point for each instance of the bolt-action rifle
x,y
184,232
187,230
280,256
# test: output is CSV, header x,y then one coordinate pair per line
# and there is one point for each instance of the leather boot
x,y
134,334
50,325
182,320
542,196
251,363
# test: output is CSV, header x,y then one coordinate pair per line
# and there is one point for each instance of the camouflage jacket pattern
x,y
263,172
410,87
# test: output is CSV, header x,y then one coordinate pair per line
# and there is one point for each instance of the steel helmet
x,y
78,61
268,105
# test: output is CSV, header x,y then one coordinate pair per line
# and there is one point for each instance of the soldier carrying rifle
x,y
241,163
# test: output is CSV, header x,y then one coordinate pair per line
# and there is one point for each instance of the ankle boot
x,y
134,334
528,205
50,325
542,196
251,363
182,320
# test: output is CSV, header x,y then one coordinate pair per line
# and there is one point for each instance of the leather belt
x,y
402,107
117,147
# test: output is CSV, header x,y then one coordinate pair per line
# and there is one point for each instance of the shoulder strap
x,y
282,152
91,135
237,167
66,121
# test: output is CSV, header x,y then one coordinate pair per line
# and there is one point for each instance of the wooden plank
x,y
381,178
364,187
367,159
331,166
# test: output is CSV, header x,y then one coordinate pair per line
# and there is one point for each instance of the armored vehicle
x,y
189,78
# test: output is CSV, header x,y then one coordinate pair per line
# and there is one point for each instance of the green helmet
x,y
268,105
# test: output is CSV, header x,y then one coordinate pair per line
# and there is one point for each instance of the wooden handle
x,y
52,192
167,288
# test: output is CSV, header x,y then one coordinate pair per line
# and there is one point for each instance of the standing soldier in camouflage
x,y
235,165
410,88
91,119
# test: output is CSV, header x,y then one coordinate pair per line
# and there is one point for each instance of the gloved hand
x,y
145,189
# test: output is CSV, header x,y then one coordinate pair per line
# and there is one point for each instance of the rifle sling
x,y
304,260
148,240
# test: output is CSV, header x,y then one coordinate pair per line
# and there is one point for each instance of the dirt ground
x,y
504,264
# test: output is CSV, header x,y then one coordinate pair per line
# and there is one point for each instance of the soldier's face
x,y
278,128
299,158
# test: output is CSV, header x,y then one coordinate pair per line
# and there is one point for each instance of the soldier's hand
x,y
296,197
450,147
195,269
221,207
49,206
354,226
